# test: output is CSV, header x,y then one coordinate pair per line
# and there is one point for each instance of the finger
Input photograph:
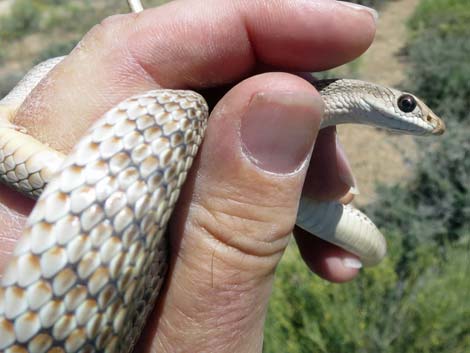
x,y
189,44
347,199
235,215
325,259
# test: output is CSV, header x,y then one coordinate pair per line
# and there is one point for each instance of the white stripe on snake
x,y
93,256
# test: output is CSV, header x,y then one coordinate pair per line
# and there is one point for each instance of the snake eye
x,y
406,103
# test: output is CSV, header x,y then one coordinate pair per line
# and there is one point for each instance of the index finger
x,y
189,44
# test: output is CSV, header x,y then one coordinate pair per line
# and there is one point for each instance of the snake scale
x,y
92,259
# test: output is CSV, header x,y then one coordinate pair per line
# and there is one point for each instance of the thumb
x,y
234,217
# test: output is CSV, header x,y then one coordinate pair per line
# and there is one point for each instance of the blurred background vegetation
x,y
418,299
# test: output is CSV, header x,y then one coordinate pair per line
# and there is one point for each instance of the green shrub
x,y
449,18
32,16
311,315
75,17
3,55
35,16
435,206
441,73
55,2
8,82
24,18
56,49
378,312
440,52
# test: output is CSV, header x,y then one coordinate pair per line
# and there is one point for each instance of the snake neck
x,y
346,101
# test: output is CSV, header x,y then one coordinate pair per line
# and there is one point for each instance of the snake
x,y
93,256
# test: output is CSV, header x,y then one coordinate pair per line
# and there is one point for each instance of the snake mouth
x,y
430,125
407,131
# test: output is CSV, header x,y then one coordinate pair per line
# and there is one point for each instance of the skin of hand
x,y
238,206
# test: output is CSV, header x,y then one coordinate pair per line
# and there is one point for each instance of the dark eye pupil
x,y
406,103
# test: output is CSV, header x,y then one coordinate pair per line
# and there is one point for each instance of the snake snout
x,y
438,124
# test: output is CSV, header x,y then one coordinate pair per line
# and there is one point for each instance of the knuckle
x,y
246,228
109,32
113,21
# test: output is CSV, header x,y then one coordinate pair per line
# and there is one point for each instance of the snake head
x,y
354,101
405,113
434,123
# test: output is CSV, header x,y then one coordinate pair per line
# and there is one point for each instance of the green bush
x,y
32,16
56,49
449,18
24,18
435,205
55,2
440,51
441,73
8,82
76,17
3,55
379,312
35,16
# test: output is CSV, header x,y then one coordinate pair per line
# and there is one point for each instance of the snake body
x,y
93,255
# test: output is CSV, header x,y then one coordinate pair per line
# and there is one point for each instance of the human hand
x,y
238,206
